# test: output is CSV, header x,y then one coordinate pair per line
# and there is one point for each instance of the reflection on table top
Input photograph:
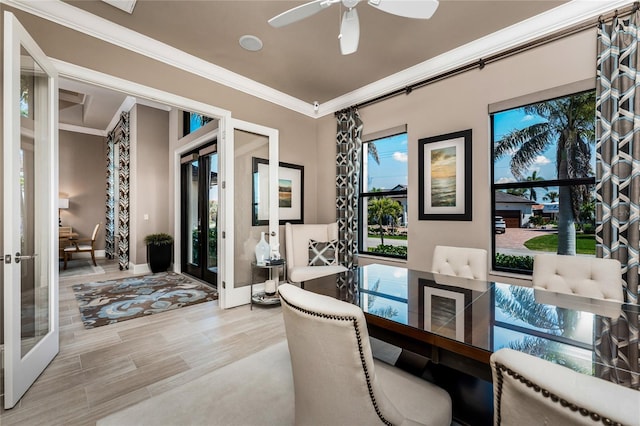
x,y
484,316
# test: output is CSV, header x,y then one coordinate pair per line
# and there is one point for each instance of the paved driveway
x,y
512,241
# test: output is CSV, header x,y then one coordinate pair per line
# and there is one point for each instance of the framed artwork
x,y
444,177
290,192
443,310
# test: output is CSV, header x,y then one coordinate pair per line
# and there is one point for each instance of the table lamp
x,y
63,203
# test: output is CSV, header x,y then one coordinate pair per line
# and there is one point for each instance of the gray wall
x,y
150,179
82,168
459,103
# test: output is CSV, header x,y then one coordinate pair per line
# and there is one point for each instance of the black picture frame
x,y
291,192
444,177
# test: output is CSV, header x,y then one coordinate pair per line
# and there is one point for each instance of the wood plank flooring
x,y
103,370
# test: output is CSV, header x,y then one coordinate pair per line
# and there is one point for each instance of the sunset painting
x,y
443,177
284,192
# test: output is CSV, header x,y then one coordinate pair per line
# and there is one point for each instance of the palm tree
x,y
570,125
380,208
551,196
533,196
372,149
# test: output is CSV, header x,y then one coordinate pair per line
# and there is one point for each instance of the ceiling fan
x,y
350,25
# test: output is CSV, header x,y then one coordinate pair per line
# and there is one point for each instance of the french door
x,y
243,141
199,213
30,151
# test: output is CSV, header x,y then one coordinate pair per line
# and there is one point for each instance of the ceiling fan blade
x,y
298,13
419,9
349,32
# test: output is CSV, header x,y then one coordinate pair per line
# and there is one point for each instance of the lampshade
x,y
63,203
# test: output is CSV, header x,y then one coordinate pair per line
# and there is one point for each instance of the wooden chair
x,y
82,245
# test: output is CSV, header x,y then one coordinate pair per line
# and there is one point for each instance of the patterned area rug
x,y
108,302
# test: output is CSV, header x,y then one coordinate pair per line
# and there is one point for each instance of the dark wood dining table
x,y
458,323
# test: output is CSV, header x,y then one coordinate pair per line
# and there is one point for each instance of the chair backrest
x,y
333,371
297,240
95,233
585,276
460,262
529,390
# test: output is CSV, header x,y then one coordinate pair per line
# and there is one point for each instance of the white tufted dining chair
x,y
335,378
460,262
532,391
580,275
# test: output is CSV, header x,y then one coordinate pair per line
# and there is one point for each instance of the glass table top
x,y
565,329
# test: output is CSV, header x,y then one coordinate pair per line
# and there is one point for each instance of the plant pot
x,y
159,257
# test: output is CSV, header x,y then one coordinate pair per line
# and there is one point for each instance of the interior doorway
x,y
199,212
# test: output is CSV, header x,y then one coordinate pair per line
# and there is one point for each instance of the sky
x,y
504,122
545,163
392,169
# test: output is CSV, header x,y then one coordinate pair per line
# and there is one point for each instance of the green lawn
x,y
585,243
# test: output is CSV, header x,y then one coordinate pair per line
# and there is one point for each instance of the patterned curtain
x,y
349,145
618,187
118,141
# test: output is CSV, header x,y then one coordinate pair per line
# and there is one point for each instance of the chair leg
x,y
64,256
93,257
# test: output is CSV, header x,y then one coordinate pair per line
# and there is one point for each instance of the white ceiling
x,y
302,60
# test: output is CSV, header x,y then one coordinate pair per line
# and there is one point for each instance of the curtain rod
x,y
482,62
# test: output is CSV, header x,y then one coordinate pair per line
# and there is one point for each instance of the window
x,y
383,194
192,121
543,180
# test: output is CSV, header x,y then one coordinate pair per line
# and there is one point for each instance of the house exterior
x,y
514,209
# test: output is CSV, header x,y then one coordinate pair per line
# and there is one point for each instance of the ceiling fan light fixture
x,y
250,43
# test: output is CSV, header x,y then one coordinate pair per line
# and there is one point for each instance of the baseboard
x,y
142,268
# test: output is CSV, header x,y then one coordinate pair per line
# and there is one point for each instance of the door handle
x,y
18,257
273,233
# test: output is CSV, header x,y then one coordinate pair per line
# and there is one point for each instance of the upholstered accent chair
x,y
461,262
532,391
579,275
335,378
297,239
82,245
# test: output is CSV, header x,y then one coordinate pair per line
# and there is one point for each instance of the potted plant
x,y
159,249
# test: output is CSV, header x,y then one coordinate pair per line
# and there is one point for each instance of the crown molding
x,y
87,23
561,17
549,22
81,129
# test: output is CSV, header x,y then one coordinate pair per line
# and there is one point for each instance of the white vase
x,y
262,250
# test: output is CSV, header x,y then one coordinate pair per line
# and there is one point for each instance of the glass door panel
x,y
30,219
247,147
212,216
199,182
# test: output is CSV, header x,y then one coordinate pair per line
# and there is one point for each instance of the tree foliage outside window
x,y
547,148
383,197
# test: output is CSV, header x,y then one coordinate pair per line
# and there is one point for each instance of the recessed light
x,y
250,43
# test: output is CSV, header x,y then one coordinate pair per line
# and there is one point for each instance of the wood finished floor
x,y
103,370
